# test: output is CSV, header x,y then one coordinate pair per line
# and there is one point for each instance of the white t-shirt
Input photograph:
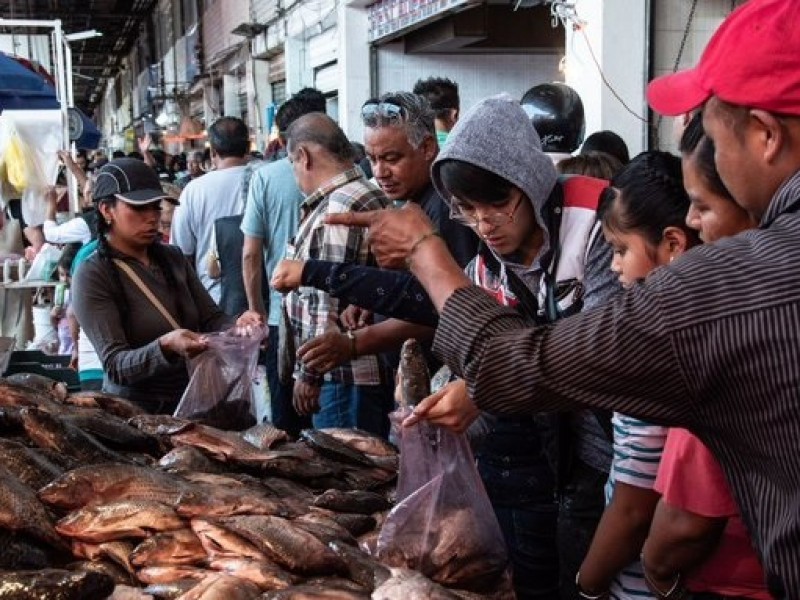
x,y
204,200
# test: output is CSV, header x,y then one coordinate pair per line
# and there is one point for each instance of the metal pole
x,y
64,98
29,23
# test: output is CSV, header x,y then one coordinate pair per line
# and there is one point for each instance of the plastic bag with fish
x,y
220,390
443,524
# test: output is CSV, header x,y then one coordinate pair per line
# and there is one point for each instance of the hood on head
x,y
498,136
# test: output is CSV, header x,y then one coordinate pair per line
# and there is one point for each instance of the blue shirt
x,y
273,214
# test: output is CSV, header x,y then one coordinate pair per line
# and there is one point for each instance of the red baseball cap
x,y
752,60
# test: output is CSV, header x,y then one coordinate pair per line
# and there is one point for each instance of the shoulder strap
x,y
146,291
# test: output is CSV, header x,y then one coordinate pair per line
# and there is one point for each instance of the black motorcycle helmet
x,y
556,111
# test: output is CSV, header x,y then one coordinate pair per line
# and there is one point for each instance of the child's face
x,y
63,275
634,256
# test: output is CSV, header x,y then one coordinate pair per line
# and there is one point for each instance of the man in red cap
x,y
710,342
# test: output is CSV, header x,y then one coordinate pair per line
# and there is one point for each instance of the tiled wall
x,y
670,19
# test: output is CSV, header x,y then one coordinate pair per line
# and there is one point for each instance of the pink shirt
x,y
690,478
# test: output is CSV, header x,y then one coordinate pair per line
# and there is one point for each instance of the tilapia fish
x,y
117,552
329,446
104,483
362,441
15,394
49,431
30,466
55,584
21,511
264,436
179,547
285,544
355,501
222,445
160,425
220,542
56,389
189,458
118,520
413,378
112,431
207,501
266,575
114,405
106,567
361,568
223,587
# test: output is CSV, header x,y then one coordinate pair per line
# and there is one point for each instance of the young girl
x,y
60,312
643,215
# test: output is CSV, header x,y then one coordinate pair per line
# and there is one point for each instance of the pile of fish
x,y
99,500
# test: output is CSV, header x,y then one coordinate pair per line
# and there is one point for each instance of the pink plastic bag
x,y
220,391
443,524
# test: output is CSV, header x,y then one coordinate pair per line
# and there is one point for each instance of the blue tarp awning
x,y
23,89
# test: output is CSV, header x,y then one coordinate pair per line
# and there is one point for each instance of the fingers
x,y
353,219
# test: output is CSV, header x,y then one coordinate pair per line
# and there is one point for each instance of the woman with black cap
x,y
139,300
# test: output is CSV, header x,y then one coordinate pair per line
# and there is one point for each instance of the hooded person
x,y
538,255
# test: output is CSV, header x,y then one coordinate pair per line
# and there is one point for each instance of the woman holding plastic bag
x,y
139,300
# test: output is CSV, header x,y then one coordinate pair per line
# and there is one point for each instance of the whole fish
x,y
362,441
55,584
118,520
15,394
19,551
21,511
221,542
113,431
325,532
354,523
361,568
223,587
114,405
178,547
49,431
30,466
160,425
117,552
209,501
104,483
189,458
285,544
106,567
56,389
354,501
226,446
413,377
329,446
266,575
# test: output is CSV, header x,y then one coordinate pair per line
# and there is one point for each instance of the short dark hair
x,y
442,93
313,98
229,136
304,102
699,147
117,154
465,180
318,128
608,142
591,164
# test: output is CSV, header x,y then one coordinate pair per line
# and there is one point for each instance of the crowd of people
x,y
619,335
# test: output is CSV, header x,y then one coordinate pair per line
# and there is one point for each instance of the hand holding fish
x,y
306,397
287,275
450,407
326,351
394,234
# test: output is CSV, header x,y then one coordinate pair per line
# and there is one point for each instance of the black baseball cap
x,y
129,180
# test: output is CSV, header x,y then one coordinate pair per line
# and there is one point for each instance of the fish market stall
x,y
98,500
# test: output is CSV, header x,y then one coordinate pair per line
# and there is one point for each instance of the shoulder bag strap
x,y
147,292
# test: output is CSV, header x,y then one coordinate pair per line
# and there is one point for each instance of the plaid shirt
x,y
313,312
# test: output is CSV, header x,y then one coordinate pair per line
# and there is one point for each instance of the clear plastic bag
x,y
220,390
443,524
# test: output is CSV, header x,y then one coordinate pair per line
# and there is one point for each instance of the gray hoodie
x,y
498,136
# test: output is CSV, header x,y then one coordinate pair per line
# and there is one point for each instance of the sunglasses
x,y
386,110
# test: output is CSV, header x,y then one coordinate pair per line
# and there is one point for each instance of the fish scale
x,y
21,510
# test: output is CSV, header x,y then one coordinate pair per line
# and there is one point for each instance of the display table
x,y
28,285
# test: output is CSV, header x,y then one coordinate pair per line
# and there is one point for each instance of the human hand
x,y
51,195
287,275
66,157
182,342
251,318
355,317
145,143
325,352
450,407
393,233
305,397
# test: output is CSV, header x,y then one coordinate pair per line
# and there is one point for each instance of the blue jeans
x,y
284,416
521,483
348,405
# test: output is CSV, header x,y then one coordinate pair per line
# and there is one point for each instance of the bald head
x,y
320,130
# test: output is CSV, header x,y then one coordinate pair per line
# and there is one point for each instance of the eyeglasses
x,y
387,110
496,219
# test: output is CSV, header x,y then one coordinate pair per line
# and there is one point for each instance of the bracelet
x,y
585,595
416,245
352,336
677,592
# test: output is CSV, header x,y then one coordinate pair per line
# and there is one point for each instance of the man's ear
x,y
303,156
429,148
770,133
